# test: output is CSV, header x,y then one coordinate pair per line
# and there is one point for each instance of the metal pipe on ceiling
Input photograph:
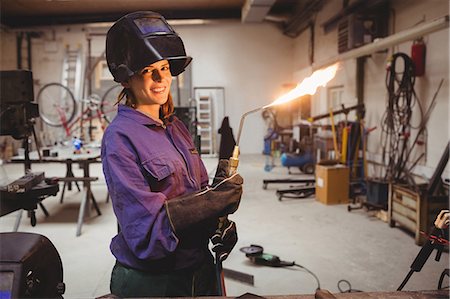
x,y
384,43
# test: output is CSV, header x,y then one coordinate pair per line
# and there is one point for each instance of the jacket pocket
x,y
158,167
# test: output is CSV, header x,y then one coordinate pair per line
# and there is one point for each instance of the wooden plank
x,y
404,221
404,211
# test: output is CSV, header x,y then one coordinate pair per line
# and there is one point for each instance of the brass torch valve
x,y
234,160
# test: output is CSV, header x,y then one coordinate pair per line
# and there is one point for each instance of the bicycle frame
x,y
71,127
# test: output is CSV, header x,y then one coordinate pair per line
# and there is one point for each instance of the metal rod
x,y
241,124
423,124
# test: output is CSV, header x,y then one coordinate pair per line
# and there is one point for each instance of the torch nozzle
x,y
234,160
241,123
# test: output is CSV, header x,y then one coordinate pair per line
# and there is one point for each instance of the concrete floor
x,y
329,241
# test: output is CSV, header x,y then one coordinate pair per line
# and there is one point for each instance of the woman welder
x,y
157,182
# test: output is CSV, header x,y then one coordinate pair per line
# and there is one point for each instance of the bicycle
x,y
58,107
109,100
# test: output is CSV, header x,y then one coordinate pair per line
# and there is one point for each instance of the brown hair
x,y
165,111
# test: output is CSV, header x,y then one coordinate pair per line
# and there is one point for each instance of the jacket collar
x,y
137,116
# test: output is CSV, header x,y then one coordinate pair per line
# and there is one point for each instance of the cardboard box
x,y
332,184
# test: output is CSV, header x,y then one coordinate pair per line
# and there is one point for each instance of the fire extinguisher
x,y
418,51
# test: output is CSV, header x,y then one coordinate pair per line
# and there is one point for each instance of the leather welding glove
x,y
213,202
224,239
222,172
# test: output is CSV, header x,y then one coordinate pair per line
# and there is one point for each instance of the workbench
x,y
67,156
434,294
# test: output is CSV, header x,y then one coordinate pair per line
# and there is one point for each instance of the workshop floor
x,y
329,241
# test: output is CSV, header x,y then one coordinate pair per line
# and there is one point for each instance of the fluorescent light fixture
x,y
179,22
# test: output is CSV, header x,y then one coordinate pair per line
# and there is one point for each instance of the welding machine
x,y
30,267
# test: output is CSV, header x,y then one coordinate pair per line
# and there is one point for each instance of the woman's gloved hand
x,y
224,239
221,199
222,172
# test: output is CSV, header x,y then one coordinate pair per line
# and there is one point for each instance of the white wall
x,y
407,15
325,46
47,51
250,61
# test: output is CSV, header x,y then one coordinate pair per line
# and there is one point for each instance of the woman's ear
x,y
125,84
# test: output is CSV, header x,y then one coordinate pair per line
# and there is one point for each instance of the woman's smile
x,y
158,90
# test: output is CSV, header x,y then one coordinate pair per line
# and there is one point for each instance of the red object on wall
x,y
418,52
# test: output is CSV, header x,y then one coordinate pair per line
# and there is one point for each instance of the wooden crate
x,y
414,211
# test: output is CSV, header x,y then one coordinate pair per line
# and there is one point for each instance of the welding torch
x,y
233,165
307,86
234,159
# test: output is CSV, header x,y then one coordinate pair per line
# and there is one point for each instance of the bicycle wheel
x,y
108,105
57,106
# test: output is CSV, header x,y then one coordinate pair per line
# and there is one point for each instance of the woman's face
x,y
152,84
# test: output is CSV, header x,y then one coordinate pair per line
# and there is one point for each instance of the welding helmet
x,y
139,39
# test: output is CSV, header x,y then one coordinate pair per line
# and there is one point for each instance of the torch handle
x,y
234,160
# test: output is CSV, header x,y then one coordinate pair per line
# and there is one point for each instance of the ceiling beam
x,y
302,17
24,21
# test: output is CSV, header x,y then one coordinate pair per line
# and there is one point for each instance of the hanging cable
x,y
396,121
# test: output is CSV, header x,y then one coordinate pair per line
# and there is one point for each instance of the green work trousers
x,y
127,282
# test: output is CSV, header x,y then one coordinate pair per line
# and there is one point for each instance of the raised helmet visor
x,y
139,39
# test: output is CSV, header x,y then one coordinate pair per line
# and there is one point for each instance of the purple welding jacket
x,y
145,164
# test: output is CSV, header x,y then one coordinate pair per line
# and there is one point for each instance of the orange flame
x,y
308,85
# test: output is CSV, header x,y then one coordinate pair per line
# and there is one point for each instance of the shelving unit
x,y
204,125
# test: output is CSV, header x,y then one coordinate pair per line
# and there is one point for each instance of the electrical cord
x,y
208,188
349,290
444,273
310,272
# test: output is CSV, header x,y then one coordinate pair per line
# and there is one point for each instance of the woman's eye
x,y
165,68
145,71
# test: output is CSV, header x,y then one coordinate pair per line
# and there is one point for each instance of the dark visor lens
x,y
151,25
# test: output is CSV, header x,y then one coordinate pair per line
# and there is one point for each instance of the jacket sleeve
x,y
140,212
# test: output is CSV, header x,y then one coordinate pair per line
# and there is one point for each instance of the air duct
x,y
255,11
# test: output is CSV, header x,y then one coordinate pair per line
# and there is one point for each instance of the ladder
x,y
23,50
204,125
72,75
